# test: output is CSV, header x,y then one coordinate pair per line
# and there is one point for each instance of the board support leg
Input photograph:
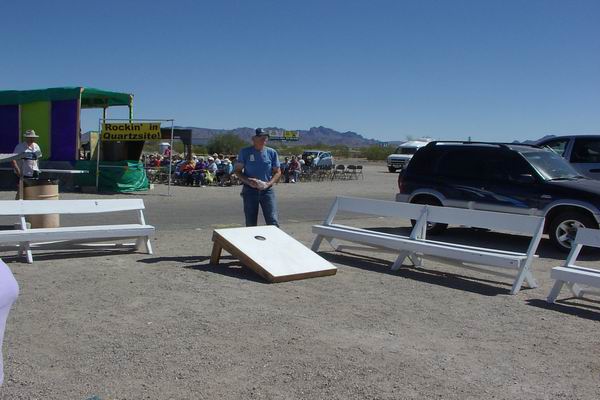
x,y
216,253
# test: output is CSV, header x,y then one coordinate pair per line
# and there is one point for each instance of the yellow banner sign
x,y
124,131
290,135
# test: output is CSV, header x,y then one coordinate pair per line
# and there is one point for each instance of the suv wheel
x,y
563,228
391,169
432,229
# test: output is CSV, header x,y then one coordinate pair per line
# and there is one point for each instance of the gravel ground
x,y
120,325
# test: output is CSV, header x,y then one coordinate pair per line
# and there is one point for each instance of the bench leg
x,y
316,243
555,291
400,260
334,243
216,253
148,245
416,260
523,274
531,282
575,289
143,243
24,248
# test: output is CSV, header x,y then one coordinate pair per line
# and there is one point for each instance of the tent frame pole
x,y
99,146
171,158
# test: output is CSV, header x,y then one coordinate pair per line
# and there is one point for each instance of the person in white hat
x,y
27,166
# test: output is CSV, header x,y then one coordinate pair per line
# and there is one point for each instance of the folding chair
x,y
359,171
351,172
338,171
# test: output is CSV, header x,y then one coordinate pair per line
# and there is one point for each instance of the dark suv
x,y
512,178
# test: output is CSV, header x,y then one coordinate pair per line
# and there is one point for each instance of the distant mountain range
x,y
313,136
534,141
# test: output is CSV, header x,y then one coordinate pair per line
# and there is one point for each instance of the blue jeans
x,y
266,199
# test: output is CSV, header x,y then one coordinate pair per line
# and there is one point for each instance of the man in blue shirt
x,y
257,167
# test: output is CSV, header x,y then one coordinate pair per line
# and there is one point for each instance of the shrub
x,y
377,152
227,143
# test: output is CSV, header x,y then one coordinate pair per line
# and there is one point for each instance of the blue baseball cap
x,y
260,132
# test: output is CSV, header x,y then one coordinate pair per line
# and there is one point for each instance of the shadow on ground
x,y
178,259
568,306
426,275
232,269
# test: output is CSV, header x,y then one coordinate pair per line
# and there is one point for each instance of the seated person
x,y
187,172
212,166
220,171
284,166
200,172
226,169
294,170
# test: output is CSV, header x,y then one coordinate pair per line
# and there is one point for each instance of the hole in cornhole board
x,y
271,253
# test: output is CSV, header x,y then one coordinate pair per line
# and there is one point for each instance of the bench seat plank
x,y
457,245
76,232
37,207
575,274
421,247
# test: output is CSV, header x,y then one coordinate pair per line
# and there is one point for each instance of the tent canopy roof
x,y
90,97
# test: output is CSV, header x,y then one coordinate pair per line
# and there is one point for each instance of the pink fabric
x,y
9,290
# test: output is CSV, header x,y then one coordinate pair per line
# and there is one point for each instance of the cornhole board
x,y
271,253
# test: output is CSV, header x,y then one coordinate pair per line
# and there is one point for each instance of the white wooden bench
x,y
417,246
25,237
573,275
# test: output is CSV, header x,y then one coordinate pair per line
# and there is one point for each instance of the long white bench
x,y
573,275
66,236
417,246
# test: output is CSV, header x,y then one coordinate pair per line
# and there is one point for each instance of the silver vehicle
x,y
583,152
403,153
317,158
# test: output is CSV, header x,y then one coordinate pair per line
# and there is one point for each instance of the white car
x,y
403,153
583,152
317,158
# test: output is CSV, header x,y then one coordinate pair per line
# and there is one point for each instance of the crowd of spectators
x,y
291,169
216,169
194,170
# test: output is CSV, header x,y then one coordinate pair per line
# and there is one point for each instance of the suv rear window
x,y
586,151
490,164
465,163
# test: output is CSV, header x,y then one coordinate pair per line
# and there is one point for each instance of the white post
x,y
98,147
170,159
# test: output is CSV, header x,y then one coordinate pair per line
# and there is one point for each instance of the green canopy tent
x,y
54,114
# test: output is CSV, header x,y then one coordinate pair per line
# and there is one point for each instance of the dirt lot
x,y
121,325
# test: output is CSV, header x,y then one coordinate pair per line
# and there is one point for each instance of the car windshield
x,y
550,165
406,150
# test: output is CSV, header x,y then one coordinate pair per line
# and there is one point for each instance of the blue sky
x,y
492,70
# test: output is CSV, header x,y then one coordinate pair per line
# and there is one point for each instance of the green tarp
x,y
116,176
90,97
